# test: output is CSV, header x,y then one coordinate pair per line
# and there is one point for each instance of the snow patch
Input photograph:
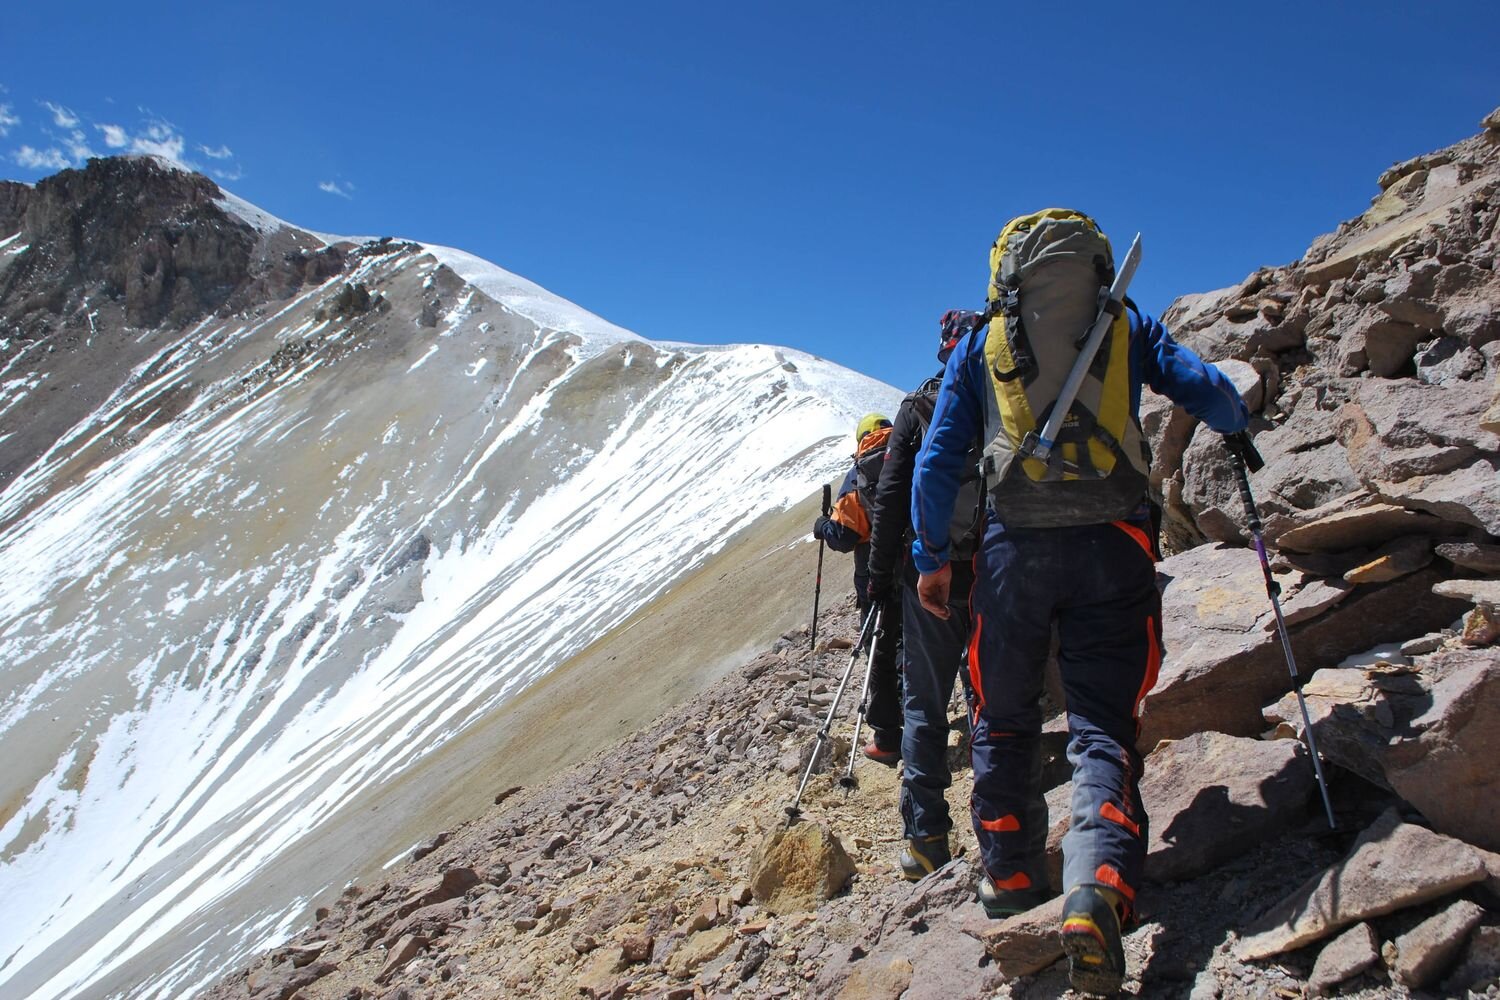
x,y
256,218
528,299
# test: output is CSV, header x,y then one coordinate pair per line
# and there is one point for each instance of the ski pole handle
x,y
827,499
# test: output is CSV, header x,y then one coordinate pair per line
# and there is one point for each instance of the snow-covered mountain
x,y
283,516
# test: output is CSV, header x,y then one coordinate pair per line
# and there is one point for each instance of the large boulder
x,y
1369,339
1355,523
1469,495
1211,797
1447,770
1306,466
796,869
1356,713
1470,303
1393,865
1222,662
1421,955
1395,429
1428,733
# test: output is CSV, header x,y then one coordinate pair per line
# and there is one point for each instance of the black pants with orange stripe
x,y
1097,584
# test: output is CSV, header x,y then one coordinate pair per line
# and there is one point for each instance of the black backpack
x,y
967,522
866,474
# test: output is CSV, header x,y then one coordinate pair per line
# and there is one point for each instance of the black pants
x,y
884,710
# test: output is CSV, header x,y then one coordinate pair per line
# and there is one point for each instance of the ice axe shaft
x,y
865,631
1247,460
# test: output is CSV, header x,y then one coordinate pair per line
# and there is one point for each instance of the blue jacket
x,y
1156,360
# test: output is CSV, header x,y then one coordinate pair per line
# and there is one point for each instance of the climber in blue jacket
x,y
1097,584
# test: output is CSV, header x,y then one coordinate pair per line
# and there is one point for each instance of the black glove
x,y
820,526
881,590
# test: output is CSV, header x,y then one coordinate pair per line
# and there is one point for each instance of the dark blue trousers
x,y
1097,584
935,654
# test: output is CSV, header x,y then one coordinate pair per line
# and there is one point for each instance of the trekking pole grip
x,y
1245,459
1242,481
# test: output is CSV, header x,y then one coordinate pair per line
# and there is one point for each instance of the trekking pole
x,y
1040,446
818,585
792,811
1247,460
847,782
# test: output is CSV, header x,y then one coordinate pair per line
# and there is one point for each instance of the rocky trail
x,y
659,868
635,873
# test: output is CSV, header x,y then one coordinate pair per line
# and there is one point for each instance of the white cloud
x,y
41,159
78,147
61,116
160,139
345,190
66,139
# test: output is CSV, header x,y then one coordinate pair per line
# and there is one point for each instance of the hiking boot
x,y
1091,938
924,855
1001,903
880,755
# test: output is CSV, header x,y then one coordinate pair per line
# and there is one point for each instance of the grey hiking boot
x,y
924,855
1001,903
1091,938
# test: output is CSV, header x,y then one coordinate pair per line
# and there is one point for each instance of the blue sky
x,y
825,176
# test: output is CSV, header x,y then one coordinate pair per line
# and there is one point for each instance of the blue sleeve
x,y
1176,372
957,422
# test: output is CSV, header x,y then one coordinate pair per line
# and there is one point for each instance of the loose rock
x,y
1424,953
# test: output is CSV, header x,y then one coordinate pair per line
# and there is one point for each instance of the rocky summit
x,y
664,867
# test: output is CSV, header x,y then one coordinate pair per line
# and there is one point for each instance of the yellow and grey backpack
x,y
1050,274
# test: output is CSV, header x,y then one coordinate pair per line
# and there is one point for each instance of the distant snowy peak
x,y
595,334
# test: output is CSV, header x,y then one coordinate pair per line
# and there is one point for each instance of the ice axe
x,y
871,622
1248,460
